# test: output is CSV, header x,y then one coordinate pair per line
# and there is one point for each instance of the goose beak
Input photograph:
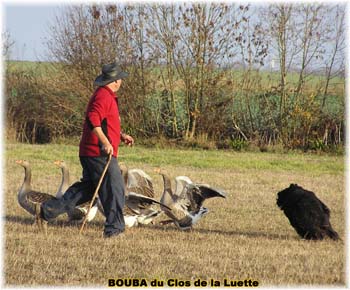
x,y
58,162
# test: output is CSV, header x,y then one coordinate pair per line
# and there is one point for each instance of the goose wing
x,y
138,178
180,183
141,212
37,197
209,192
142,190
177,203
195,194
192,197
137,202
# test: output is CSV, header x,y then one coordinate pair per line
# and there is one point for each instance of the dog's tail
x,y
332,234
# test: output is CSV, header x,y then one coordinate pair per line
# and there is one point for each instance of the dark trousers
x,y
111,193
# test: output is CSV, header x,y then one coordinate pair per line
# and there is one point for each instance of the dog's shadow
x,y
232,233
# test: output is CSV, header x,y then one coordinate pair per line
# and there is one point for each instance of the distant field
x,y
243,237
37,68
268,78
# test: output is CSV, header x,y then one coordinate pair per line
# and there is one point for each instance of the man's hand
x,y
108,148
127,139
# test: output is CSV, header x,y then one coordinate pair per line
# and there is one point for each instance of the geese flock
x,y
182,207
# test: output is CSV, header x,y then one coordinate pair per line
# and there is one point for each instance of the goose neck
x,y
27,178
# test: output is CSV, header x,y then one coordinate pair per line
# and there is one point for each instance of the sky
x,y
28,25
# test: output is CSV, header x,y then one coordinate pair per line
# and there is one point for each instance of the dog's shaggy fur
x,y
308,215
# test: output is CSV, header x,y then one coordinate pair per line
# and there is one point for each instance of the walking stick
x,y
96,192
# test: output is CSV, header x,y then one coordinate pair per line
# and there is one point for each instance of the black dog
x,y
308,215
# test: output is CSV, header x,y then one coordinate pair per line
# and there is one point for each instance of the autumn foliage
x,y
200,73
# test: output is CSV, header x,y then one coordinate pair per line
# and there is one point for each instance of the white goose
x,y
187,201
80,211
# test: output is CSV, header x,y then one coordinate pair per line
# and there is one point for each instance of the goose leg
x,y
42,225
37,215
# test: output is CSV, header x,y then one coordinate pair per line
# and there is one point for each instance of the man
x,y
101,137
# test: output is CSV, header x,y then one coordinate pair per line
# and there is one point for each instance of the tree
x,y
7,44
164,28
310,39
84,38
334,64
195,39
181,56
301,35
281,33
253,50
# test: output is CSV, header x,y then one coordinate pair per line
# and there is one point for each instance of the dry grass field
x,y
245,236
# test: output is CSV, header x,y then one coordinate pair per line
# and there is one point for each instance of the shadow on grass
x,y
160,228
228,233
56,223
19,219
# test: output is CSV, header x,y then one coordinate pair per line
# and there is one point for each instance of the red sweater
x,y
102,111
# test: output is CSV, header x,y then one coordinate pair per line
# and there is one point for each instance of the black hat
x,y
110,73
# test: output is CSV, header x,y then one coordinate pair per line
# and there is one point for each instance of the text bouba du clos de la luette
x,y
181,283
